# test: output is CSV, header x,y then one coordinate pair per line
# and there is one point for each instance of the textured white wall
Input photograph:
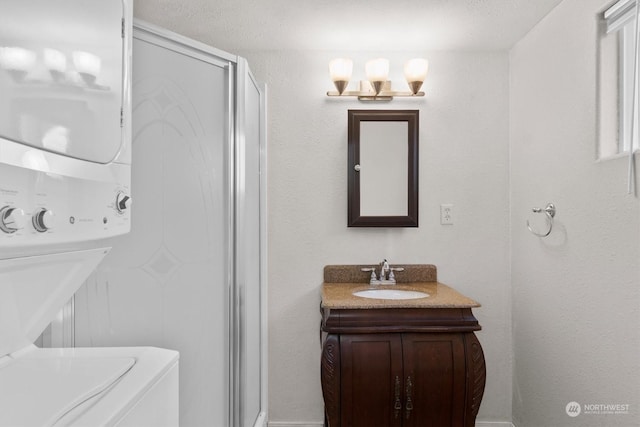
x,y
463,161
576,294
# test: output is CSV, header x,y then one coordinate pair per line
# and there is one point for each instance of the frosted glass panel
x,y
249,262
166,283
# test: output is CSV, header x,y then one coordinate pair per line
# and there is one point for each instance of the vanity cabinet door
x,y
371,380
435,380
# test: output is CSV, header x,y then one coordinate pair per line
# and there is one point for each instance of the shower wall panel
x,y
249,243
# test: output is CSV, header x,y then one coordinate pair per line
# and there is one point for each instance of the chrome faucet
x,y
386,277
384,269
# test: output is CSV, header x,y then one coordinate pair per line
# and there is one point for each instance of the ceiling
x,y
348,25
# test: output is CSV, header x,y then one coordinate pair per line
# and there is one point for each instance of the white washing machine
x,y
65,167
73,386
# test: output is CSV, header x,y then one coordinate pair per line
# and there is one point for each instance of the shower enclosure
x,y
191,274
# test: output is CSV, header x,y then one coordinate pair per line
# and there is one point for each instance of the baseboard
x,y
295,424
262,420
321,424
494,424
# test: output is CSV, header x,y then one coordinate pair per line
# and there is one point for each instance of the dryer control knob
x,y
43,220
11,219
123,202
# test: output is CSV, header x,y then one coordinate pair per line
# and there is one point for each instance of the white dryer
x,y
65,167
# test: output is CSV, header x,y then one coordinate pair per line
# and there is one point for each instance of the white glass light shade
x,y
415,70
56,63
377,70
87,63
55,60
17,58
340,69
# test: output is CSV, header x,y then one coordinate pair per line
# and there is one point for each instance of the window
x,y
616,80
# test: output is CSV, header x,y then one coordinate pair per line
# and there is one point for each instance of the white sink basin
x,y
390,294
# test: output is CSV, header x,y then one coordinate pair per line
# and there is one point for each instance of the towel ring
x,y
550,212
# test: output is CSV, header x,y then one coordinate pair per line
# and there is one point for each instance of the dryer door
x,y
62,76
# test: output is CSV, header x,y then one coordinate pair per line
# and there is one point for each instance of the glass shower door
x,y
167,283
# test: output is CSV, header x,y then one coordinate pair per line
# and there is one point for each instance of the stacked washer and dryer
x,y
65,171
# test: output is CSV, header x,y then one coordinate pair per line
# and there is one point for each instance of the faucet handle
x,y
392,277
372,270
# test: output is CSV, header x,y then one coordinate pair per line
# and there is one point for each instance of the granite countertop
x,y
340,296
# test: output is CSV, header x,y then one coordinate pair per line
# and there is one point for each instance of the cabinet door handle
x,y
409,391
398,403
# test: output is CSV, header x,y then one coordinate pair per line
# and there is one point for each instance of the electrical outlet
x,y
446,214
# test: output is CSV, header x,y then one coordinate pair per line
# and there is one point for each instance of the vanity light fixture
x,y
56,63
87,65
340,70
377,87
18,61
377,71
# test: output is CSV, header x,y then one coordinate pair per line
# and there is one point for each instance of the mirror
x,y
383,168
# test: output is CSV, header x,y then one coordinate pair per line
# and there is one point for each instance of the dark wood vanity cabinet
x,y
401,367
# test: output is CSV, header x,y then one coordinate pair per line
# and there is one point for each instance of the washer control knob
x,y
43,220
123,202
11,219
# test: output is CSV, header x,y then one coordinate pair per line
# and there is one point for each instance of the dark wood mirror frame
x,y
355,219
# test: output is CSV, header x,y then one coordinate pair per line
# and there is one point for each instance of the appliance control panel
x,y
38,208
